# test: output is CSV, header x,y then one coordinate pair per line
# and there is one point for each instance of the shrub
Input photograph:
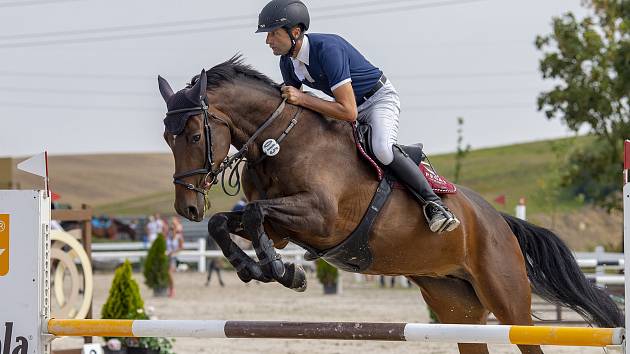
x,y
156,265
326,273
124,300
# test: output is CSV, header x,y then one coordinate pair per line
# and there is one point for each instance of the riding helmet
x,y
283,13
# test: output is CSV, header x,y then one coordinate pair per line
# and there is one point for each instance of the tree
x,y
589,61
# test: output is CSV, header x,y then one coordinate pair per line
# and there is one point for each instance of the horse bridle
x,y
209,162
229,161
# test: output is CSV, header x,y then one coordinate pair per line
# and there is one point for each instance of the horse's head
x,y
199,137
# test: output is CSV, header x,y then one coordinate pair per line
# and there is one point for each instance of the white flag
x,y
37,165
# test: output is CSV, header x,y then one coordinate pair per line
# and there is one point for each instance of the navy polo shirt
x,y
332,60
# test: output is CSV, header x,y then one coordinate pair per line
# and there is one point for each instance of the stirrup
x,y
446,220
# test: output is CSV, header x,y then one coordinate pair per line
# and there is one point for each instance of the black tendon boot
x,y
438,216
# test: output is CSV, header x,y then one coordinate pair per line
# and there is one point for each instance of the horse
x,y
306,183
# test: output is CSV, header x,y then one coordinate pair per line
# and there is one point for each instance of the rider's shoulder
x,y
324,38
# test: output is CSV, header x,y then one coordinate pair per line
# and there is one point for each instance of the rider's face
x,y
279,41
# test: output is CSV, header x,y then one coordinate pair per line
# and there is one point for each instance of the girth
x,y
354,254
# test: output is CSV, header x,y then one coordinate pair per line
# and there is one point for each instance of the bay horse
x,y
310,186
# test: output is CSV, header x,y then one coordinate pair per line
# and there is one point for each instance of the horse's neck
x,y
248,110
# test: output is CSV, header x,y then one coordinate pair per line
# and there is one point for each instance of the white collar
x,y
302,55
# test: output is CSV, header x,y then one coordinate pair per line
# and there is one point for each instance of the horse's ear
x,y
165,88
200,86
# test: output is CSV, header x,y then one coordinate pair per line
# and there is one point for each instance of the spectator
x,y
215,264
152,229
174,244
240,205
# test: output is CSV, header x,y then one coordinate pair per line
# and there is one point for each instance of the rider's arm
x,y
344,107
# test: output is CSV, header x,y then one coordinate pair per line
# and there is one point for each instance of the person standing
x,y
152,229
174,244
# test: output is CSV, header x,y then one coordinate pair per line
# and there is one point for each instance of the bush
x,y
326,273
124,300
156,265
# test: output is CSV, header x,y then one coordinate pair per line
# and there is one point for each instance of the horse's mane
x,y
233,68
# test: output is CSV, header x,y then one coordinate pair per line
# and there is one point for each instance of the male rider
x,y
329,63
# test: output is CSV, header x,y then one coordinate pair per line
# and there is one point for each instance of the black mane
x,y
231,69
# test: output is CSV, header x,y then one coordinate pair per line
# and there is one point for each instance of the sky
x,y
80,76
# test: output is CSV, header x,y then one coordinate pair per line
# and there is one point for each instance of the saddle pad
x,y
439,184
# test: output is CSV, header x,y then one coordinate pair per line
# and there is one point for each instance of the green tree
x,y
156,265
588,60
461,151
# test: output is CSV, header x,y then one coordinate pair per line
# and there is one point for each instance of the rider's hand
x,y
293,95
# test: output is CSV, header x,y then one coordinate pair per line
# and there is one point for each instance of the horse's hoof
x,y
297,277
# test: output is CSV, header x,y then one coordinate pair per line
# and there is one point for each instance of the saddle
x,y
362,137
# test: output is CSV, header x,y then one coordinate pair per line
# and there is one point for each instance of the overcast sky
x,y
79,76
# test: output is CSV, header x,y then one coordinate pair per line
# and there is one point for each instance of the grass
x,y
521,170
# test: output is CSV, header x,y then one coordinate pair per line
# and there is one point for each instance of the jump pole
x,y
410,332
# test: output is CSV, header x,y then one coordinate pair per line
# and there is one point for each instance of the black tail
x,y
556,276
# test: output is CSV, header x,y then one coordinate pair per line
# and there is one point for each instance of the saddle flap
x,y
363,137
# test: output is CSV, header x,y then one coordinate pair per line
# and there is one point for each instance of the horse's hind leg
x,y
454,301
500,281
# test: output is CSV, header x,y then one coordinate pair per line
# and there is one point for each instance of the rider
x,y
329,63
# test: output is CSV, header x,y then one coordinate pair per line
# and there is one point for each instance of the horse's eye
x,y
196,138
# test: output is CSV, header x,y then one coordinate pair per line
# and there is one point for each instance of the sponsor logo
x,y
7,342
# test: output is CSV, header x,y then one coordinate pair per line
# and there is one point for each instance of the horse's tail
x,y
556,277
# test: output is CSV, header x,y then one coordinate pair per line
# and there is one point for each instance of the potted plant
x,y
156,267
328,276
125,302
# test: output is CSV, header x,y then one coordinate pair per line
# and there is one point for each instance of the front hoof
x,y
295,277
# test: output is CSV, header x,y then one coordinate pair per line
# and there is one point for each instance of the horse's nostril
x,y
192,212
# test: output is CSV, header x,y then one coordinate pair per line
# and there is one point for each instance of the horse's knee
x,y
217,222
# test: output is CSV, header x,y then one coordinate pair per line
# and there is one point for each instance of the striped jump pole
x,y
411,332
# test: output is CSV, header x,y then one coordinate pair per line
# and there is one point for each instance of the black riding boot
x,y
438,216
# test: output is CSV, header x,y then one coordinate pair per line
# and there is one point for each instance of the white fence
x,y
193,252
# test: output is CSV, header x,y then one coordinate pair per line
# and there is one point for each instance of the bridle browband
x,y
229,161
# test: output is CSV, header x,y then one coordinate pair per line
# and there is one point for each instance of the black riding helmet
x,y
286,14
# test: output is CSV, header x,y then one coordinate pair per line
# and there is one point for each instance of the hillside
x,y
139,184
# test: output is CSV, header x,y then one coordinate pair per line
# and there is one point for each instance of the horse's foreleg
x,y
306,213
288,274
220,226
